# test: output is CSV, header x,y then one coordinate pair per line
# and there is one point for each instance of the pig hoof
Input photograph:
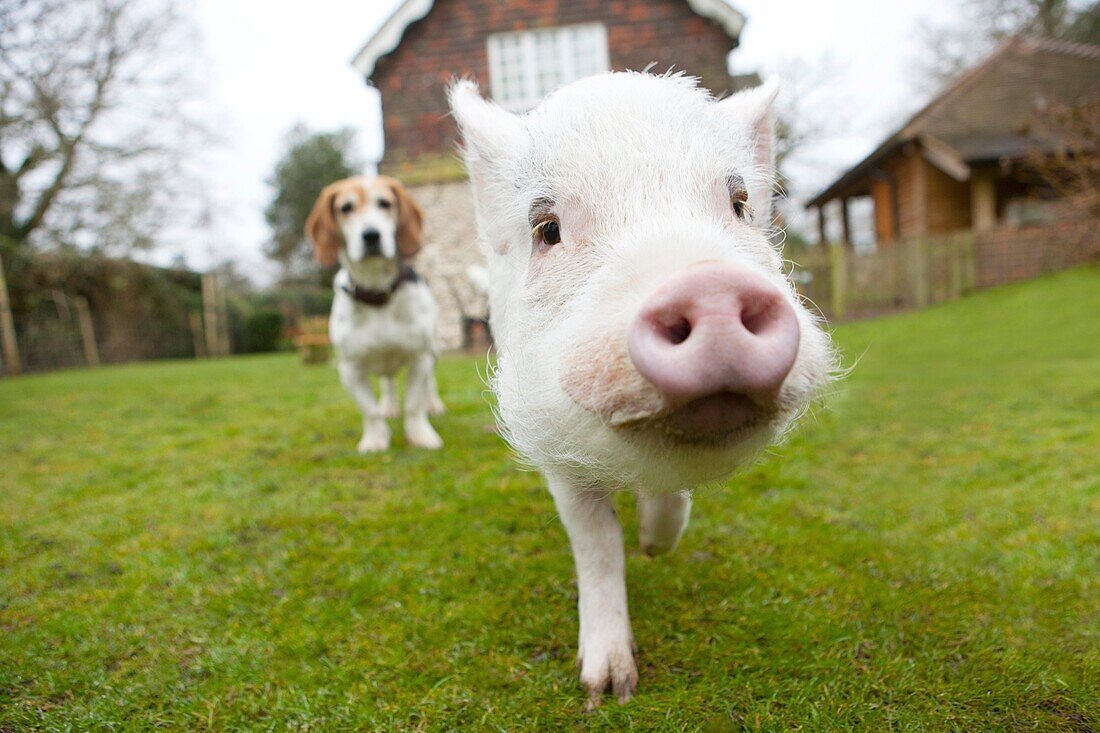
x,y
612,666
656,547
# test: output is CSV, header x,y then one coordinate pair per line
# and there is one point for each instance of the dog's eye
x,y
384,204
549,232
347,208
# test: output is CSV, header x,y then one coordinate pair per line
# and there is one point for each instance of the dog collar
x,y
378,298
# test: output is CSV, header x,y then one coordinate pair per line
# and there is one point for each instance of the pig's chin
x,y
626,435
601,379
705,440
723,419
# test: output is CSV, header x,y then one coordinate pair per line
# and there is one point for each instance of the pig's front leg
x,y
605,651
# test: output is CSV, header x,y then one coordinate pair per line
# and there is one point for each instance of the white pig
x,y
647,337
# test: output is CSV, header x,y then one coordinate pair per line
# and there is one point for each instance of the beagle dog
x,y
383,315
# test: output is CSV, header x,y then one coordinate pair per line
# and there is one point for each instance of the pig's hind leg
x,y
662,519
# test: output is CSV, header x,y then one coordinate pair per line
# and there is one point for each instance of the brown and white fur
x,y
372,226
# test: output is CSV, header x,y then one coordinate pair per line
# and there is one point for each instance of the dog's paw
x,y
374,440
421,434
605,662
436,407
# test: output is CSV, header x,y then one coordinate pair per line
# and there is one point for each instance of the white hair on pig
x,y
647,335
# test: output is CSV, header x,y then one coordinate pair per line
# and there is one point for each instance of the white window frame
x,y
532,94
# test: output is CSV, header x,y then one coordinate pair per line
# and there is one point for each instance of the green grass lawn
x,y
194,546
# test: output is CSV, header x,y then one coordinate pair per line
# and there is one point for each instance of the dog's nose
x,y
372,241
715,328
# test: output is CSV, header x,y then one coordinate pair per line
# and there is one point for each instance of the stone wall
x,y
450,246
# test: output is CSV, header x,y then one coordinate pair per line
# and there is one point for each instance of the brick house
x,y
517,52
956,164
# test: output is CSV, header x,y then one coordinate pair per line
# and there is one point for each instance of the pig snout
x,y
716,340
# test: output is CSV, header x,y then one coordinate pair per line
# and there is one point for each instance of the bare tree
x,y
1068,161
93,121
811,109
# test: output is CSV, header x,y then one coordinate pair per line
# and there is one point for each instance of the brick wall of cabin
x,y
1010,254
450,42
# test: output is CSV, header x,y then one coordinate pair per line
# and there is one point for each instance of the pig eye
x,y
739,197
347,208
741,208
549,232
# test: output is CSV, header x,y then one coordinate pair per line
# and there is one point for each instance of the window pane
x,y
547,64
526,66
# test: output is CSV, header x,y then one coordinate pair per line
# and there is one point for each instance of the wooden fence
x,y
61,311
922,271
909,274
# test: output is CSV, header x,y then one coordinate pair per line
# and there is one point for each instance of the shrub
x,y
262,331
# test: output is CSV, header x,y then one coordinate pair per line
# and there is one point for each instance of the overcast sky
x,y
273,64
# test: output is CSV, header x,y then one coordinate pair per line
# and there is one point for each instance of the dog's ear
x,y
410,218
494,142
321,228
753,116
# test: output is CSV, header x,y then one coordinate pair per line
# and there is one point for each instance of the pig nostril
x,y
758,317
678,332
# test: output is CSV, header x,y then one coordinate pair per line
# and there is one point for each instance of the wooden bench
x,y
313,348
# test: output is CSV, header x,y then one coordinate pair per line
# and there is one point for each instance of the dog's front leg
x,y
376,434
418,430
605,651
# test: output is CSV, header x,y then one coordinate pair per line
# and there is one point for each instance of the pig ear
x,y
490,134
493,139
752,114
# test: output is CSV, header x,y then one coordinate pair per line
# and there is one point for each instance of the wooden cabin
x,y
957,164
